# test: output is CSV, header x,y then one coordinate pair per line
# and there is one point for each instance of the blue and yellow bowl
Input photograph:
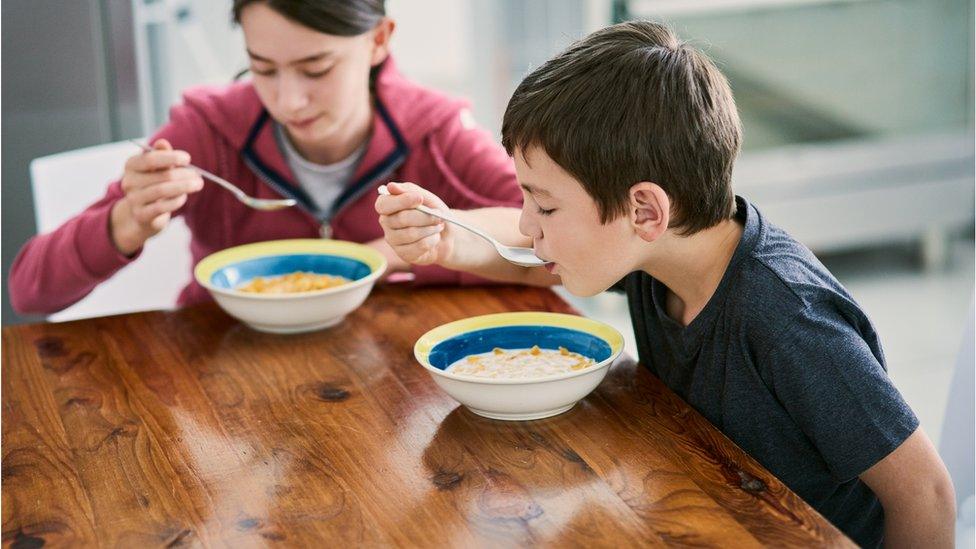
x,y
222,272
519,399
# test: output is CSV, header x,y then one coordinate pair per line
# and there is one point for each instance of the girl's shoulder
x,y
416,109
228,110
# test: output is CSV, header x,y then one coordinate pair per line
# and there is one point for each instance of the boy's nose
x,y
528,227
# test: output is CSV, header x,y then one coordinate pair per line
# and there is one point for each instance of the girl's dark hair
x,y
341,18
336,17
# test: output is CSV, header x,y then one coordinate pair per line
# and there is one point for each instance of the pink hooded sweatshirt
x,y
418,135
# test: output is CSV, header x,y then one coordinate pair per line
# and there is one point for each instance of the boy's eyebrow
x,y
536,191
310,58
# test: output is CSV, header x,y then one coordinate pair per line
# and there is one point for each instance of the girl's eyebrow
x,y
310,58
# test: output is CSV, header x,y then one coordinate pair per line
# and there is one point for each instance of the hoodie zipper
x,y
324,229
371,186
325,223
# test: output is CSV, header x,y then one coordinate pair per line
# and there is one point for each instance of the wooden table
x,y
171,428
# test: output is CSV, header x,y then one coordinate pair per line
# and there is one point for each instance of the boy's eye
x,y
544,211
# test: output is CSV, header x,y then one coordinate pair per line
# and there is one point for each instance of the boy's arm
x,y
822,368
916,493
424,240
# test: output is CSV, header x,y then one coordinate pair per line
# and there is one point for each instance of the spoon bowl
x,y
266,204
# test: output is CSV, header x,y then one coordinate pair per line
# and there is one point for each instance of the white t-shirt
x,y
323,182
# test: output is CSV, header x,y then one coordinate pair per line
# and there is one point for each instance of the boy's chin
x,y
583,288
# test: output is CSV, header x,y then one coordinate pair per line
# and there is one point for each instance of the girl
x,y
325,119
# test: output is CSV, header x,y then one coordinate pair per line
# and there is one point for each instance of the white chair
x,y
63,185
958,442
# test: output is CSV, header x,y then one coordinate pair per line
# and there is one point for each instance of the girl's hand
x,y
155,184
415,236
394,264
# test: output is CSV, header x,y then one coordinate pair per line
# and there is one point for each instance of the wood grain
x,y
187,428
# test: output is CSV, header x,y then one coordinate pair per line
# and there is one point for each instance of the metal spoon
x,y
524,257
256,203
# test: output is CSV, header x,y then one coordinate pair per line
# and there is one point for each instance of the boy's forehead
x,y
538,173
535,162
534,157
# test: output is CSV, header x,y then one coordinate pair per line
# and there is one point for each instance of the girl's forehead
x,y
266,29
293,51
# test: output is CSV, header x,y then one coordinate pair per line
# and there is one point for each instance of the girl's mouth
x,y
303,124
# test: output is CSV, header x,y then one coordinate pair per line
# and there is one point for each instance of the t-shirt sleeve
x,y
837,391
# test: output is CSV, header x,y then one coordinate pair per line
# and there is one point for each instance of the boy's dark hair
x,y
343,18
632,103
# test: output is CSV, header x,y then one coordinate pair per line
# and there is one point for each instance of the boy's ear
x,y
650,210
381,41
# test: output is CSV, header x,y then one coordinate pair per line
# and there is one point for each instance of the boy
x,y
624,146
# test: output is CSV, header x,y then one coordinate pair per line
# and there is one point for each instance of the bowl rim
x,y
426,343
292,246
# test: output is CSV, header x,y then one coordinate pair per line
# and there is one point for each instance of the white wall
x,y
886,66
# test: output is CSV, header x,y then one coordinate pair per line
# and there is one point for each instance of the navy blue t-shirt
x,y
785,363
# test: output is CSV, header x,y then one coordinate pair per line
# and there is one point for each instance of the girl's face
x,y
313,83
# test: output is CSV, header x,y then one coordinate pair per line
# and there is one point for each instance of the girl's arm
x,y
59,268
421,239
474,172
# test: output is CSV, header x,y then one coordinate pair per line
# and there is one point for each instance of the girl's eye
x,y
545,212
318,74
267,72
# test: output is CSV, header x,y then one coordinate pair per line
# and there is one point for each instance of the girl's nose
x,y
291,95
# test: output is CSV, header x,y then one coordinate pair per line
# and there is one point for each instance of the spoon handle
x,y
220,181
212,177
383,190
461,224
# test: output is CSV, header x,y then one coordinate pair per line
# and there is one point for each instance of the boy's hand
x,y
415,236
155,184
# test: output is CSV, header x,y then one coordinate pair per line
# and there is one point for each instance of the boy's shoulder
x,y
780,281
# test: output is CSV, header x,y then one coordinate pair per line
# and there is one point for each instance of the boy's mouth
x,y
549,265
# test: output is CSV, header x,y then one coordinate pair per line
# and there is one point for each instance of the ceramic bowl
x,y
222,272
519,399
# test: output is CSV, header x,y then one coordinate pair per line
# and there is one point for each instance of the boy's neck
x,y
692,267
